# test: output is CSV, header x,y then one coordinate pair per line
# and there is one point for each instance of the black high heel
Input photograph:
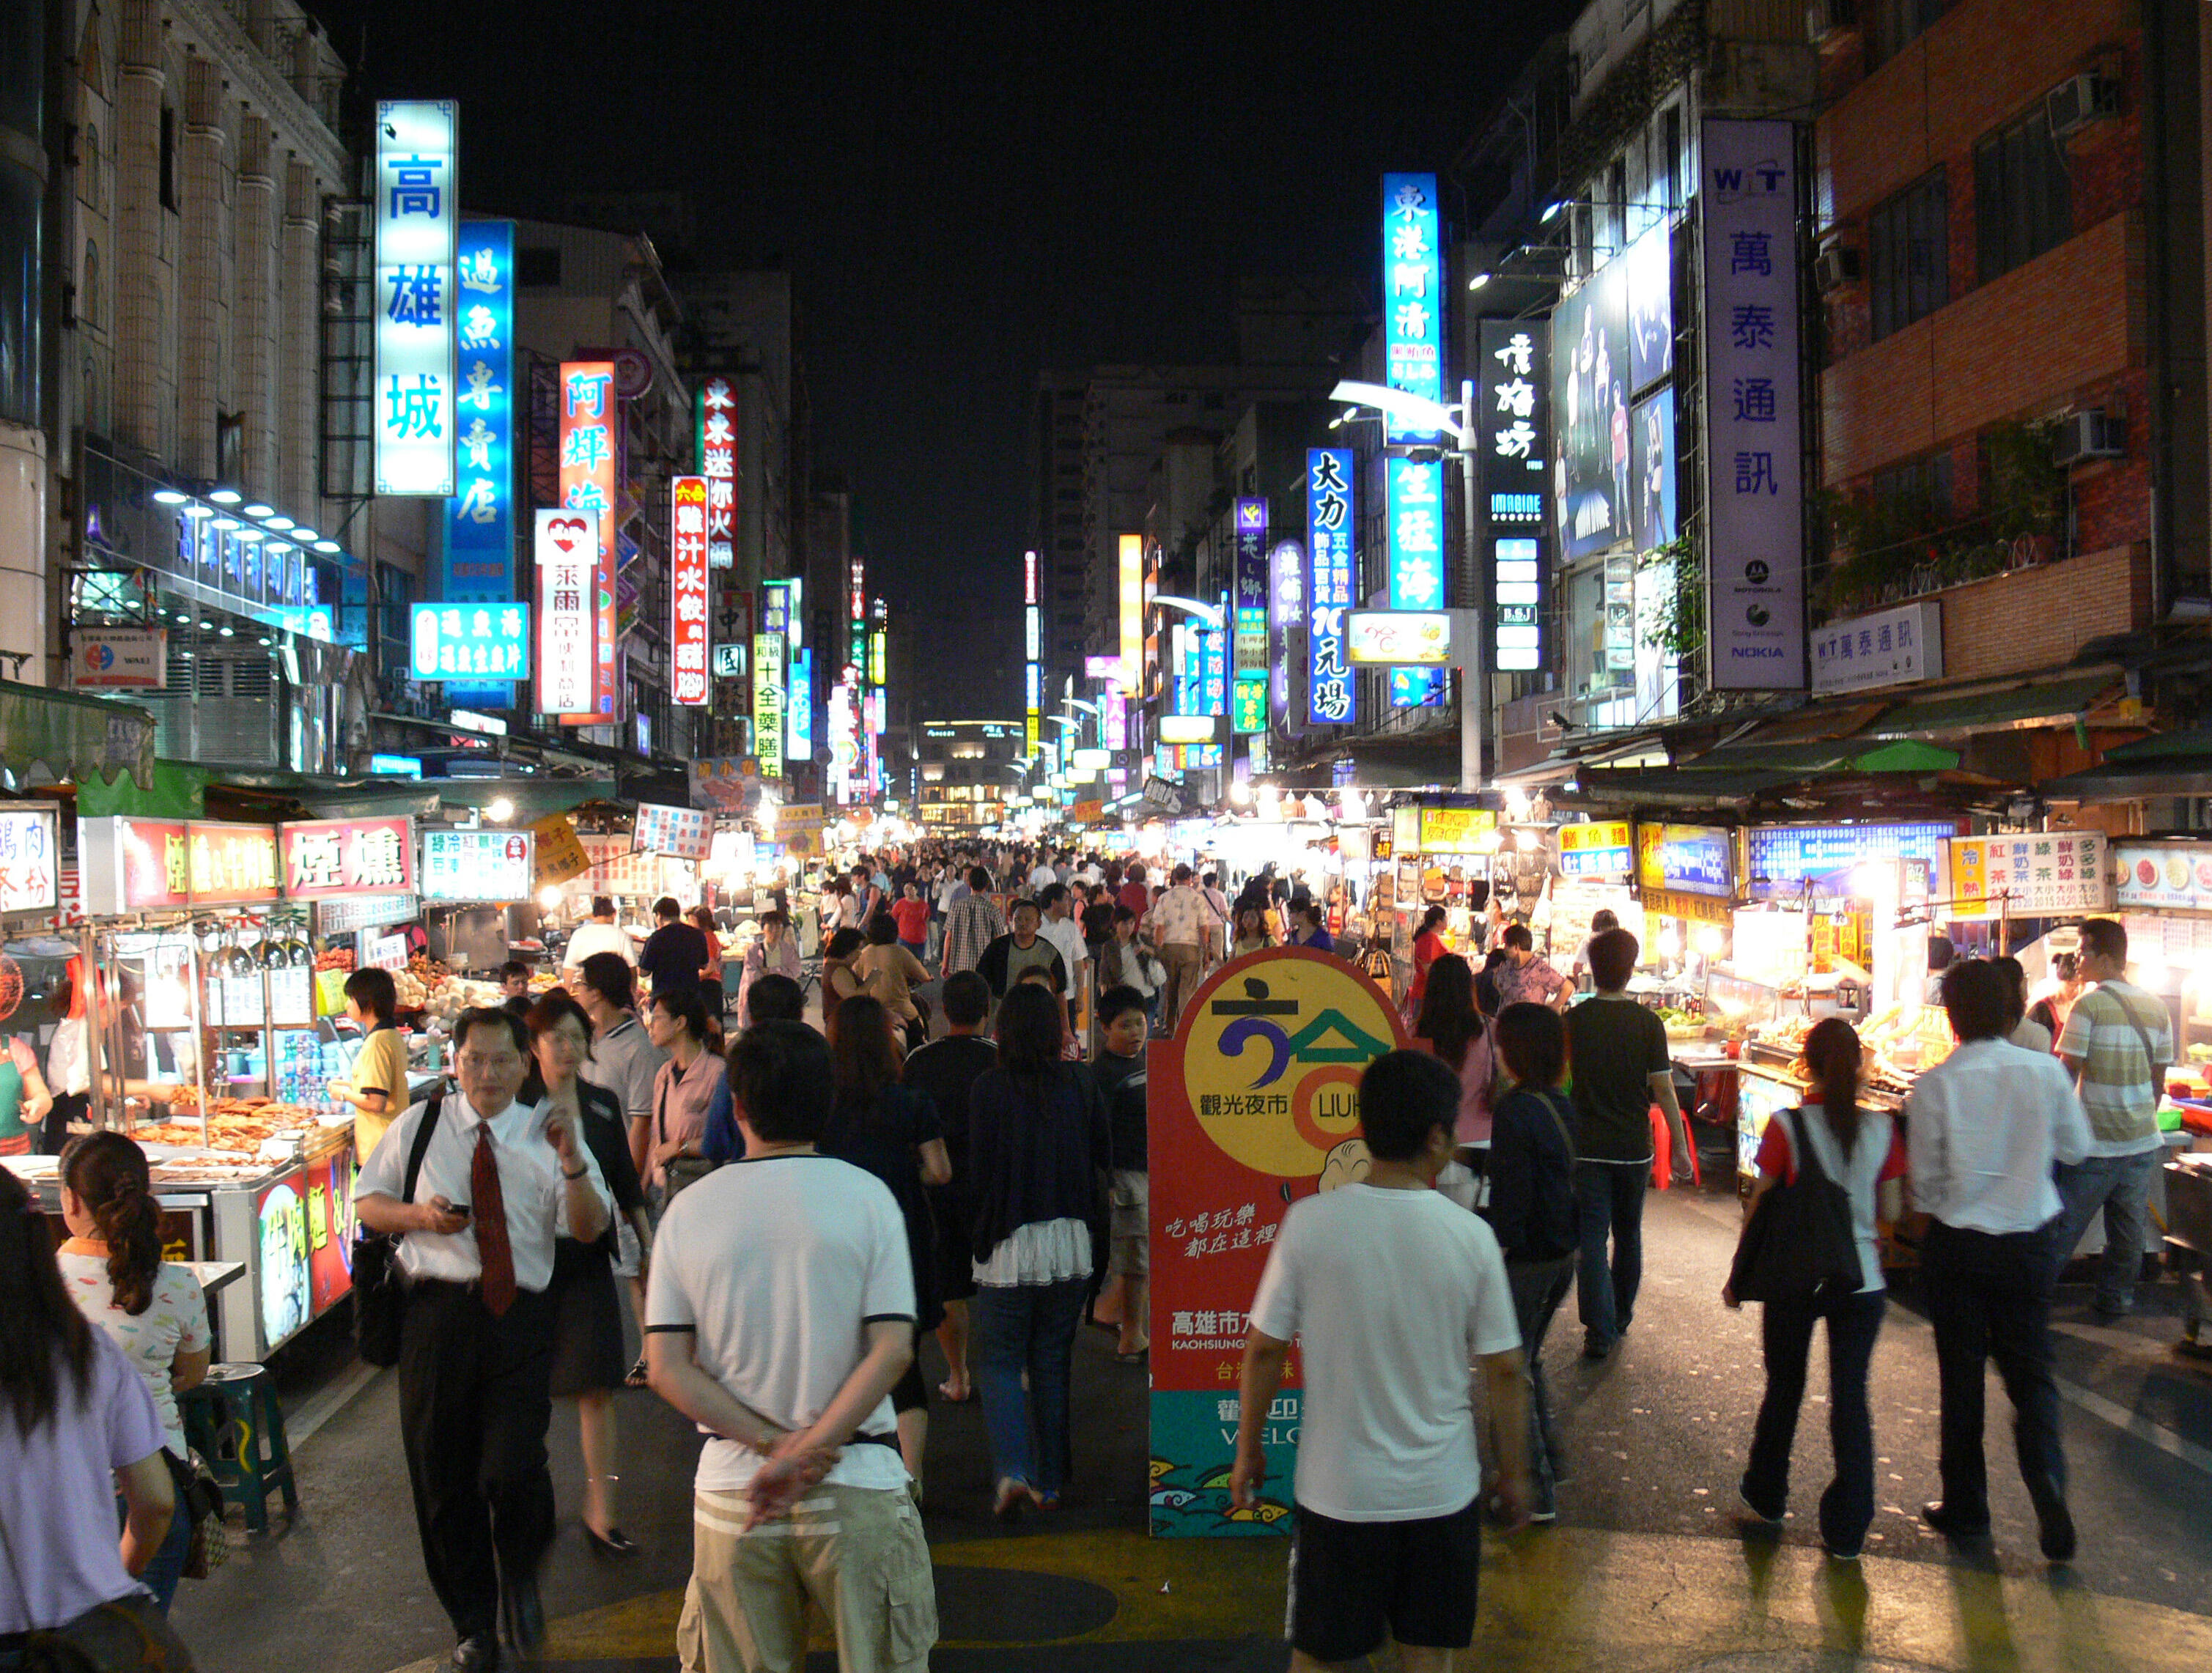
x,y
612,1543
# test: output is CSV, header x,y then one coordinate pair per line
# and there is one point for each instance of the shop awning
x,y
534,798
2045,703
62,737
2177,763
1641,788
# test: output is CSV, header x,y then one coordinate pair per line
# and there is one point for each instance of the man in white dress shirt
x,y
497,1181
1985,1125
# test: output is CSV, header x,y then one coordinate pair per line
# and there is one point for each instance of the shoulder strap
x,y
1801,1146
2150,1057
1547,1097
421,1145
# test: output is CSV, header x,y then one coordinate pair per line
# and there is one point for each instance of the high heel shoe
x,y
1013,1497
612,1543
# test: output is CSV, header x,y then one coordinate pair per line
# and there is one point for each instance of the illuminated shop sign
x,y
417,205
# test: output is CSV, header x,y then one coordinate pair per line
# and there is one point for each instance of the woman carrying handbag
x,y
1794,1256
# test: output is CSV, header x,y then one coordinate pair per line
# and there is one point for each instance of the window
x,y
2023,205
169,158
395,592
1894,25
1670,154
538,267
1908,255
1922,482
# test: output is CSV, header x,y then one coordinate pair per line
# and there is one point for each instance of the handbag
x,y
201,1496
379,1296
677,1172
1799,1237
126,1634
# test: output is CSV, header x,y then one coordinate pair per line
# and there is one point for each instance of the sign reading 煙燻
x,y
1329,521
1413,298
1754,486
1252,1105
417,215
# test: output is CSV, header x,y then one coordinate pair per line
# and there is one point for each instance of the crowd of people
x,y
977,1170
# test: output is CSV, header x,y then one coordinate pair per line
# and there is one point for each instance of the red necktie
x,y
488,1212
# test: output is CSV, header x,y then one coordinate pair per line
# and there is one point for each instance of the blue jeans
x,y
1854,1320
1609,1196
1027,1328
160,1576
1538,1289
2120,1185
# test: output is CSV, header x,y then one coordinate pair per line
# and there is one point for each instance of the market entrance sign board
x,y
1253,1105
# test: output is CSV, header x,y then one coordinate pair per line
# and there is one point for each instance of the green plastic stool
x,y
233,1420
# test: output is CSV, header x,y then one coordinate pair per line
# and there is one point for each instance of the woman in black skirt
x,y
587,1330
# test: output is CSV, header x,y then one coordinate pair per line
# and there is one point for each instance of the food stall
x,y
478,890
202,1008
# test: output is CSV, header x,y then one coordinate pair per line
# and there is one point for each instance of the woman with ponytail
x,y
1863,1151
153,1310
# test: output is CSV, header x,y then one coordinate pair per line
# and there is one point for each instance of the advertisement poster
x,y
304,1226
1589,407
1651,470
1651,307
1252,1105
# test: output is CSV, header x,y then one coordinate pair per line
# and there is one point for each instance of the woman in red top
x,y
1428,948
710,973
911,914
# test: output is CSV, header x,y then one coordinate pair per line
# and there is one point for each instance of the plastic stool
x,y
1662,1153
233,1420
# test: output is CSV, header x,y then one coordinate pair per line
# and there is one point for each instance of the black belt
x,y
890,1440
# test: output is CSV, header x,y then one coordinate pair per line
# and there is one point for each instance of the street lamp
x,y
1209,614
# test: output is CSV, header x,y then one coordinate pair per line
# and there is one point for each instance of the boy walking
x,y
1386,1539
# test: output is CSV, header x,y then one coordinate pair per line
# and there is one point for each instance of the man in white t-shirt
x,y
779,1314
599,933
1387,1537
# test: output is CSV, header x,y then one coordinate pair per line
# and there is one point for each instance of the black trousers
x,y
1989,1298
473,1411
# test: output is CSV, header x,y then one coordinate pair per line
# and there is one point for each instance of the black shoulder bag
x,y
1799,1236
125,1634
378,1296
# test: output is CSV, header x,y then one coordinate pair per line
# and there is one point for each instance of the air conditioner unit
x,y
2092,434
1824,18
1836,267
2078,100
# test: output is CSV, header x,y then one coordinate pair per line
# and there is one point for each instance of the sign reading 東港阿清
x,y
1253,1105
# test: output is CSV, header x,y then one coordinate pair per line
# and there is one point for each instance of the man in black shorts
x,y
1387,1536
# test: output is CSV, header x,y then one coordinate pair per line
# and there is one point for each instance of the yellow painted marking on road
x,y
1565,1597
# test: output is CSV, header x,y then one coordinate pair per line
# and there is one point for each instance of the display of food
x,y
338,958
242,1125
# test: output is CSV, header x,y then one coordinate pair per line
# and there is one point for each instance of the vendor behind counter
x,y
377,1089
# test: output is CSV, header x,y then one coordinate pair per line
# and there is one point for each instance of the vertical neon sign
x,y
417,216
1413,297
589,415
687,590
1329,499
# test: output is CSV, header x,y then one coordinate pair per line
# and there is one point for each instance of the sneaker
x,y
1838,1555
1764,1519
1547,1513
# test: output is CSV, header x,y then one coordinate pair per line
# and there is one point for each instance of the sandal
x,y
636,1378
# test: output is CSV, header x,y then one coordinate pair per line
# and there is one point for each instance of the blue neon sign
x,y
1413,297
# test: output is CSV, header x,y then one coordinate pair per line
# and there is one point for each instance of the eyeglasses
x,y
484,1061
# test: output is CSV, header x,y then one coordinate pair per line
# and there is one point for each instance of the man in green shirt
x,y
1618,1051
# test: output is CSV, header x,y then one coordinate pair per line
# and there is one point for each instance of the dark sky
x,y
965,194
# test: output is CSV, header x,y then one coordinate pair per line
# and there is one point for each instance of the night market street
x,y
1645,1567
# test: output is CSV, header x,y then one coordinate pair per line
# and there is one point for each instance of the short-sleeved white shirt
x,y
1388,1418
175,1321
778,1265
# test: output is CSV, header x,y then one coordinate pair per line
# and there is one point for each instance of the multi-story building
x,y
199,191
965,772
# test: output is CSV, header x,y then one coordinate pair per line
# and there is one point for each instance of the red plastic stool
x,y
1662,1153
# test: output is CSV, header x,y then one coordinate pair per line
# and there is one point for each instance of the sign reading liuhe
x,y
418,221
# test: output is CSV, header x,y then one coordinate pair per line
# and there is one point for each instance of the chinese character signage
x,y
768,703
30,857
1686,859
1413,298
1130,555
1589,405
1248,701
2173,875
1249,600
324,858
687,590
470,641
1516,594
1514,421
1417,534
150,865
1329,522
418,218
1754,488
1252,1106
684,834
589,417
718,463
1892,647
1599,848
2045,873
567,547
1457,831
1793,854
477,865
1209,663
480,516
1411,638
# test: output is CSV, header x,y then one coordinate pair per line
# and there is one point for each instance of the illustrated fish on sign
x,y
1162,1467
1220,1478
1173,1498
1266,1511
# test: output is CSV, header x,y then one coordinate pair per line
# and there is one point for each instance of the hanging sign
x,y
1253,1105
1599,848
589,430
1330,523
560,851
2045,873
332,856
417,205
30,857
486,865
479,554
566,544
718,462
768,702
132,865
687,590
470,641
684,834
1413,298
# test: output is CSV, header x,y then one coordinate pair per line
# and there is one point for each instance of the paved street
x,y
1645,1567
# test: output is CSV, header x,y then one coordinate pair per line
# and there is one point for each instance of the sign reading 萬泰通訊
x,y
1251,1106
1891,647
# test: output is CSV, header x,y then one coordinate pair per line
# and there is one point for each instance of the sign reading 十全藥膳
x,y
1252,1105
1755,488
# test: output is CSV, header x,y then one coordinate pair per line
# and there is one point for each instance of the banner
x,y
687,590
1253,1104
417,216
565,545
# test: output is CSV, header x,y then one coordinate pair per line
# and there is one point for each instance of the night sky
x,y
963,206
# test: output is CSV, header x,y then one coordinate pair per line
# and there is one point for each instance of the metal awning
x,y
2177,763
62,737
2043,703
534,798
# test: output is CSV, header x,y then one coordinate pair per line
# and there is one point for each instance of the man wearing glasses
x,y
496,1181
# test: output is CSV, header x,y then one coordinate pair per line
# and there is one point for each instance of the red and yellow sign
x,y
156,865
1253,1103
331,857
687,590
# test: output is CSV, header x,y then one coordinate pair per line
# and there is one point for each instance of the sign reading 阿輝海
x,y
1252,1104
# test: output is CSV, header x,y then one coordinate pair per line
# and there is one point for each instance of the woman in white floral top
x,y
152,1309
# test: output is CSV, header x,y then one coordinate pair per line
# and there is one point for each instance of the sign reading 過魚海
x,y
1252,1104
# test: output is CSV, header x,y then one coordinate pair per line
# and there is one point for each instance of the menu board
x,y
2173,875
685,833
1791,853
2041,873
1601,849
476,865
1686,859
1458,830
30,857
